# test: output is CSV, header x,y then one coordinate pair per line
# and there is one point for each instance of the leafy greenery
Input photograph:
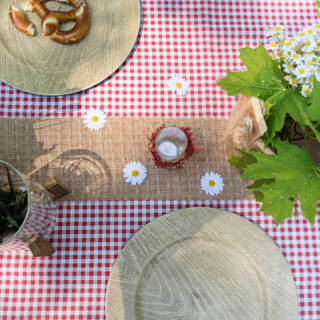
x,y
291,174
13,208
281,178
264,80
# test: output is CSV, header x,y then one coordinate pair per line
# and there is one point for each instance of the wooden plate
x,y
201,263
42,66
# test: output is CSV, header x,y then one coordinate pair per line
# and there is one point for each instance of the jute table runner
x,y
90,163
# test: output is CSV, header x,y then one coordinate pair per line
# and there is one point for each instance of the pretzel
x,y
50,19
20,22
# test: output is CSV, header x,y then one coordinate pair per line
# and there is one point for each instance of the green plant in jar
x,y
13,208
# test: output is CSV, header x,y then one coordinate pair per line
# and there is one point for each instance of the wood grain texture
x,y
41,66
201,263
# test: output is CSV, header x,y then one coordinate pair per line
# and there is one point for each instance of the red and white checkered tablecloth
x,y
196,39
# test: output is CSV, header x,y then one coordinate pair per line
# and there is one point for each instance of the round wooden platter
x,y
201,263
41,66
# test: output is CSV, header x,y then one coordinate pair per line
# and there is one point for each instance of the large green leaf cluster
x,y
289,175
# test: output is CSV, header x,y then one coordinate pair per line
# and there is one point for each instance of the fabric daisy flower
x,y
95,119
135,172
212,183
179,85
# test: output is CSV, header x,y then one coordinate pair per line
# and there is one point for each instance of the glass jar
x,y
171,144
41,213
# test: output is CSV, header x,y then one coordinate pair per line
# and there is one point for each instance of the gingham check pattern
x,y
197,39
88,237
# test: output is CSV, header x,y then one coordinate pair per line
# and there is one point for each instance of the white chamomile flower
x,y
308,61
273,45
95,119
179,85
309,45
306,89
289,45
212,183
293,82
272,32
135,172
278,28
301,71
289,67
316,27
288,77
309,31
302,36
296,58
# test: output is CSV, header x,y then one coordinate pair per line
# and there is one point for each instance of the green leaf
x,y
4,196
11,206
24,212
13,194
12,221
4,208
241,163
293,176
264,80
313,111
17,206
258,194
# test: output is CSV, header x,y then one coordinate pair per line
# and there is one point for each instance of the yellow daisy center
x,y
295,56
278,54
312,80
278,29
290,66
271,29
314,59
318,69
211,183
309,31
302,71
273,44
311,70
284,40
178,85
95,119
135,173
302,34
310,53
309,63
287,76
292,39
289,44
307,90
294,81
308,43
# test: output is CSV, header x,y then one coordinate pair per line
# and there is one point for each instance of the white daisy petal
x,y
95,119
135,172
212,183
178,85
